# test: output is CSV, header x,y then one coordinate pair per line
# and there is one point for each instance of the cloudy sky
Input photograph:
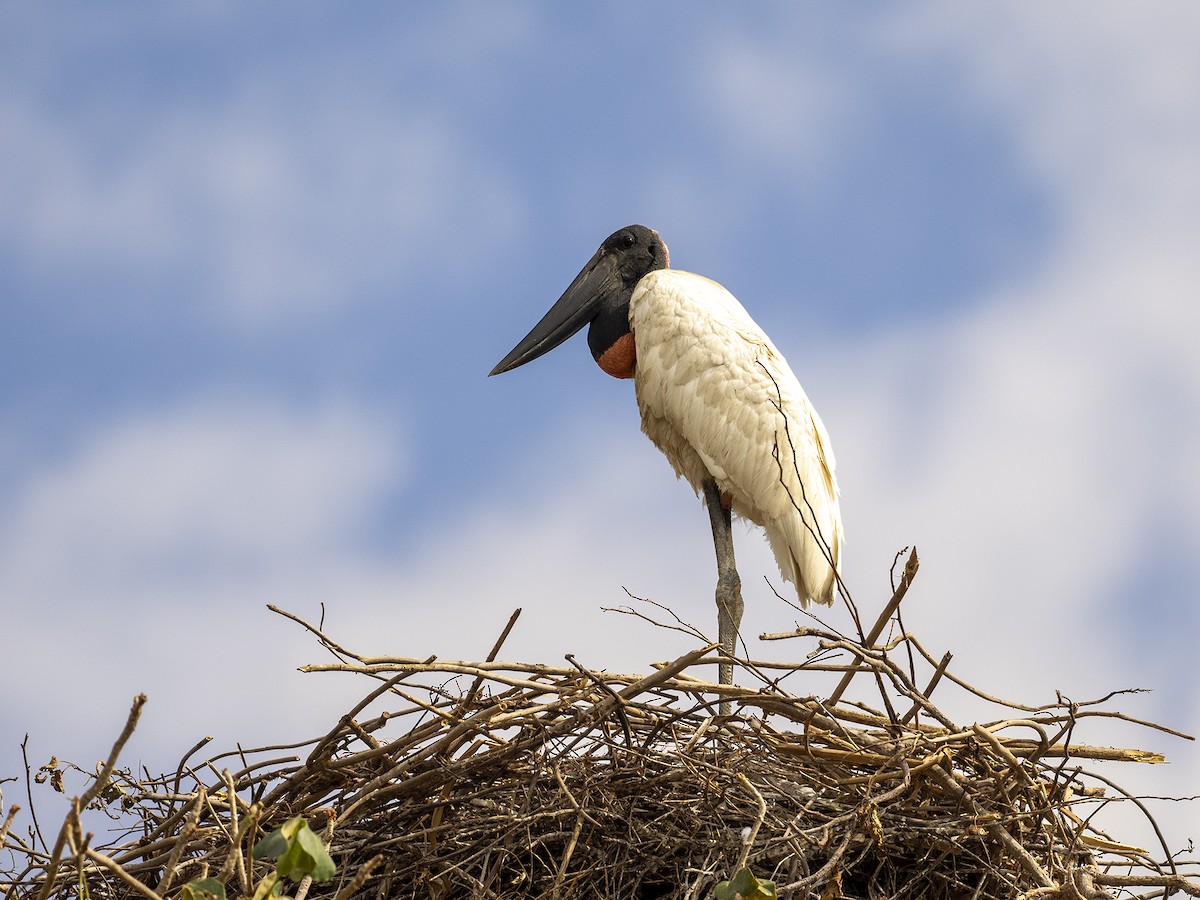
x,y
256,261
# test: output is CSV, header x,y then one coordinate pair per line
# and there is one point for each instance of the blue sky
x,y
255,263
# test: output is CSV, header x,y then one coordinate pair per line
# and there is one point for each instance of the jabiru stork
x,y
718,399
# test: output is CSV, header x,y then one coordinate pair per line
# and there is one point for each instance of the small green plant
x,y
745,886
298,854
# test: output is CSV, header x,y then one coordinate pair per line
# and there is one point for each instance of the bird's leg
x,y
729,583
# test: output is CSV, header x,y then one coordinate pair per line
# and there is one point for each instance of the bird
x,y
721,403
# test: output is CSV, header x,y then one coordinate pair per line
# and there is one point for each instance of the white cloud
x,y
285,199
142,562
779,107
1102,102
202,487
271,213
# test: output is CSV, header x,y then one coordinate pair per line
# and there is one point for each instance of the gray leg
x,y
729,583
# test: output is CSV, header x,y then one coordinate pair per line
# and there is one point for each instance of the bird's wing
x,y
719,400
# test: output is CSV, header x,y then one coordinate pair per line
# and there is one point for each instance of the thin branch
x,y
910,572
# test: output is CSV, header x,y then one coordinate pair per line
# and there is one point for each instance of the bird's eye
x,y
628,240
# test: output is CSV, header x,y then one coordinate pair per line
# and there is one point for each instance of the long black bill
x,y
578,305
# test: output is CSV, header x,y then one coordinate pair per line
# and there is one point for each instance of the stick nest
x,y
501,779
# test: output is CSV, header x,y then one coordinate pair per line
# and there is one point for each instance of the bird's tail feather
x,y
804,560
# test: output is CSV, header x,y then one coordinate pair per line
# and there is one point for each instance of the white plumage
x,y
720,401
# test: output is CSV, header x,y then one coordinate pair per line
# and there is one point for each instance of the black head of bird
x,y
598,296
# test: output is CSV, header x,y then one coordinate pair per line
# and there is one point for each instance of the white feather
x,y
720,401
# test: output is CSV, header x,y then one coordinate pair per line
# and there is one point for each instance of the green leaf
x,y
305,854
272,846
293,825
204,889
297,851
269,887
745,886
